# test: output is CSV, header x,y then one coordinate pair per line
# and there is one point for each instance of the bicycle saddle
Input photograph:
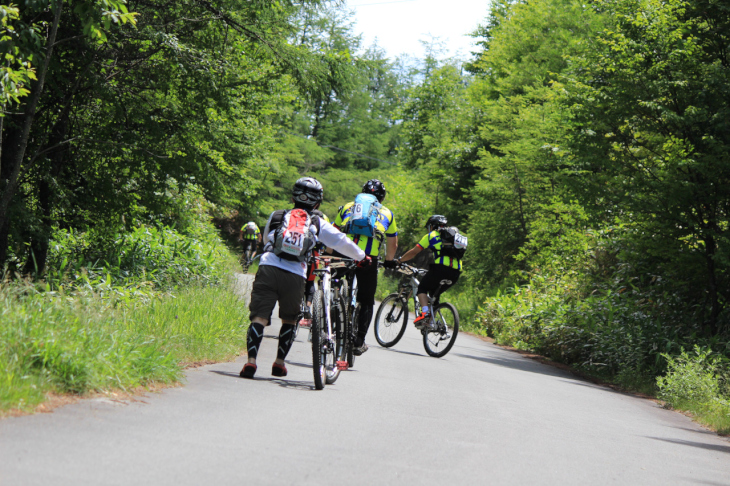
x,y
446,282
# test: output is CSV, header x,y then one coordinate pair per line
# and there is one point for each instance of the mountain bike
x,y
439,333
329,323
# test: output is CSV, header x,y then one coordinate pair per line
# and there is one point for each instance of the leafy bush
x,y
162,258
693,383
690,378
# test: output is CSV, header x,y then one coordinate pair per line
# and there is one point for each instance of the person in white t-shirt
x,y
281,278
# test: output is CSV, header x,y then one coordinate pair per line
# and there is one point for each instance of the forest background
x,y
583,148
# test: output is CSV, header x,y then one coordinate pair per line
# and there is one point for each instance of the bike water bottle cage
x,y
364,216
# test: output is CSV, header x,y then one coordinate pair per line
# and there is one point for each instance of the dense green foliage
x,y
594,139
583,149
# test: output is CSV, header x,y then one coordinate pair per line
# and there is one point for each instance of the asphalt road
x,y
479,415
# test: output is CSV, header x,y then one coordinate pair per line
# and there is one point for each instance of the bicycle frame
x,y
325,277
410,289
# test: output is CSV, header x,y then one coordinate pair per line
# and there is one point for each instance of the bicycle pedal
x,y
342,365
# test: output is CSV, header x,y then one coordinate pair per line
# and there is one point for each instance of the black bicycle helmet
x,y
376,188
307,192
436,221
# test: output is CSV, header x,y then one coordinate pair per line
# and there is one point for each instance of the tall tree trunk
x,y
710,250
11,132
17,146
39,244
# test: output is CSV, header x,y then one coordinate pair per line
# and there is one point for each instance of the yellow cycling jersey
x,y
253,236
384,226
433,241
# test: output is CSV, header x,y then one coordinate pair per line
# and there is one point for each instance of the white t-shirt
x,y
328,235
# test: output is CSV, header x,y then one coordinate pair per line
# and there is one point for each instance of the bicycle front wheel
x,y
318,357
391,320
439,340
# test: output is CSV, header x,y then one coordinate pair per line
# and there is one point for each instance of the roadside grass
x,y
713,415
81,343
197,324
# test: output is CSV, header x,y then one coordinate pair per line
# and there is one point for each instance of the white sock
x,y
425,309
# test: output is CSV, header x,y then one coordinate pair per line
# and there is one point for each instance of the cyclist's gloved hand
x,y
390,263
365,262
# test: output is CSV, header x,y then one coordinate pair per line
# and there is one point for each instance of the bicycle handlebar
x,y
334,262
406,269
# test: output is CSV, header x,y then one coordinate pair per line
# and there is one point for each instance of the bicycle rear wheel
x,y
391,320
351,336
438,341
338,323
318,364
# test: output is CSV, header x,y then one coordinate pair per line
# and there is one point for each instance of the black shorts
x,y
272,285
437,273
367,283
249,243
367,280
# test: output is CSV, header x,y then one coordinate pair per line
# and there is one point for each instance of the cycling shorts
x,y
437,273
272,285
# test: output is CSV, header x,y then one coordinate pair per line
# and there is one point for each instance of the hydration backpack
x,y
365,213
293,237
453,243
250,229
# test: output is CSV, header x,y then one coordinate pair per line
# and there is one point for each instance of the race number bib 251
x,y
293,243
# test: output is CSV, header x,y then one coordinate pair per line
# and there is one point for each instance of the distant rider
x,y
283,269
367,277
250,235
446,265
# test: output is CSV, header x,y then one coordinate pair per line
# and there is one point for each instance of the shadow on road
x,y
290,384
521,364
300,365
392,350
701,445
